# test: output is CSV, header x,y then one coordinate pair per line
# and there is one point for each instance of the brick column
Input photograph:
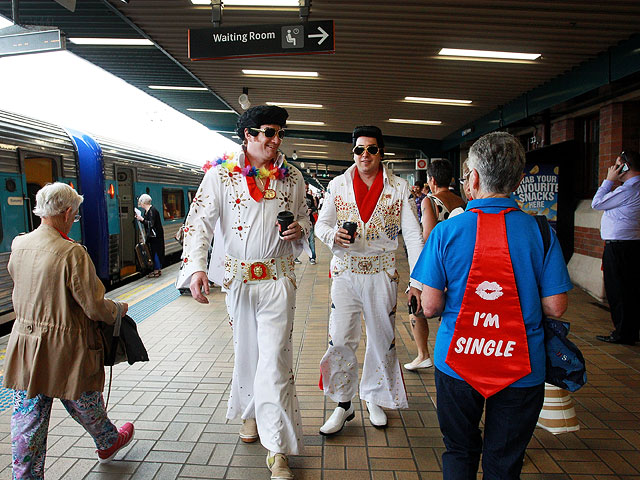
x,y
610,136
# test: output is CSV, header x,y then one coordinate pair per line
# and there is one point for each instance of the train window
x,y
172,204
191,195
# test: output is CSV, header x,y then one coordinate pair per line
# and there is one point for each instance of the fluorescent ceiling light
x,y
170,87
311,151
309,145
251,3
279,73
488,54
235,136
295,105
437,101
416,122
111,41
209,110
303,122
389,153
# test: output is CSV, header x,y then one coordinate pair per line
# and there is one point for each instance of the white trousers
x,y
263,386
375,297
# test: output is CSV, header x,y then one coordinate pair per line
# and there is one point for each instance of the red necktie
x,y
489,347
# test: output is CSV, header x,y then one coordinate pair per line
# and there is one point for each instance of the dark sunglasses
x,y
269,132
371,149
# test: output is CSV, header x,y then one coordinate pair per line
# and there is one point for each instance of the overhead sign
x,y
261,40
30,42
421,163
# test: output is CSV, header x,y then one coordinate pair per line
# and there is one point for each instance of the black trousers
x,y
621,265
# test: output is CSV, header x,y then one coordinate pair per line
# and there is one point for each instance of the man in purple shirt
x,y
620,230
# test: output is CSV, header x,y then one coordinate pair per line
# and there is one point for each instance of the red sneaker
x,y
125,435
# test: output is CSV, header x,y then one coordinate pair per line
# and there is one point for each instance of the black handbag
x,y
565,365
124,344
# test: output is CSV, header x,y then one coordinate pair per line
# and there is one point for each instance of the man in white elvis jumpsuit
x,y
365,280
259,277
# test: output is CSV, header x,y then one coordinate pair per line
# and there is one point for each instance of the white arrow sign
x,y
322,35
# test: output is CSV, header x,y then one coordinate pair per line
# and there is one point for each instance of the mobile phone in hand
x,y
413,305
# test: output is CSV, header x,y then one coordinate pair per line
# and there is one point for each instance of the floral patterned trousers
x,y
30,425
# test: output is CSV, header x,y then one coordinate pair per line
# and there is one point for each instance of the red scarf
x,y
254,191
367,198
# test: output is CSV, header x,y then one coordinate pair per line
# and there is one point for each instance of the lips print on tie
x,y
489,290
489,347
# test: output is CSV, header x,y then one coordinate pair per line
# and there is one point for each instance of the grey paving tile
x,y
167,457
203,471
139,450
146,471
222,455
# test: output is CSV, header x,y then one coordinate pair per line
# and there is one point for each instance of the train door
x,y
38,171
125,177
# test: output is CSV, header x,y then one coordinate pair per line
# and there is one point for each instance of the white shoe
x,y
377,417
415,364
336,421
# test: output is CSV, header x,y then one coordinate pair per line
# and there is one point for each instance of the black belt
x,y
619,241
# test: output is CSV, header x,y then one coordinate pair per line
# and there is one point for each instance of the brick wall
x,y
562,130
587,241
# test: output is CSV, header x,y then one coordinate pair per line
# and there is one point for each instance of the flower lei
x,y
226,161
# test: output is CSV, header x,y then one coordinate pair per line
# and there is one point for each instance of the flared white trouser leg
x,y
263,384
373,296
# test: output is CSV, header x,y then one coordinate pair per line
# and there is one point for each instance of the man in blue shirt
x,y
620,230
446,267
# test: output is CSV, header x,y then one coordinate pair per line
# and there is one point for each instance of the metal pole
x,y
15,11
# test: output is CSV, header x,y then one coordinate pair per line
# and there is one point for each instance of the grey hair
x,y
54,199
499,160
144,199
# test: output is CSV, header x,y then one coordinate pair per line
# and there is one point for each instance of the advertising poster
x,y
538,192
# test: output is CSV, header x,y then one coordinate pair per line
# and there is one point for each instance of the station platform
x,y
177,401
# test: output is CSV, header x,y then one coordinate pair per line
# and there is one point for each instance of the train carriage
x,y
110,174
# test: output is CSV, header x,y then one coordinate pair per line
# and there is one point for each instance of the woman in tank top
x,y
436,207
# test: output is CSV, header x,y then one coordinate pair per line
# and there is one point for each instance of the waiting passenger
x,y
490,345
246,194
365,281
436,207
620,230
55,349
154,231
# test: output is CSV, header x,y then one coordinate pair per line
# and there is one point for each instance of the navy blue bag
x,y
565,364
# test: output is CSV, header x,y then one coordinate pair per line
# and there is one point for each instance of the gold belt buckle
x,y
365,265
258,271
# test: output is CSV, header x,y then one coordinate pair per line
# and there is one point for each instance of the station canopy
x,y
389,66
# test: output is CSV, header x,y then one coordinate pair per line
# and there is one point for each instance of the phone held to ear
x,y
625,163
625,168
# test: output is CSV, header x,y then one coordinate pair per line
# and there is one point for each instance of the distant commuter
x,y
489,353
154,231
246,193
365,281
55,349
418,196
620,230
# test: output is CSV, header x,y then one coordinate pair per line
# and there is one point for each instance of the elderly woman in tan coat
x,y
55,349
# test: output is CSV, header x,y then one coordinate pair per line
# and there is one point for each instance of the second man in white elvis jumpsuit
x,y
365,280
